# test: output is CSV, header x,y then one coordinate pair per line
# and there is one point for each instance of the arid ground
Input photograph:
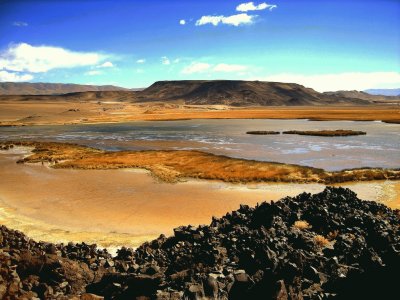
x,y
32,112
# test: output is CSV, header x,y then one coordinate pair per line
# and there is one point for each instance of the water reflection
x,y
379,148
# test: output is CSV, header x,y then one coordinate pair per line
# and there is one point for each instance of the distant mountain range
x,y
364,96
199,92
384,92
26,88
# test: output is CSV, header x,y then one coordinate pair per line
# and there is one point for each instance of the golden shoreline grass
x,y
176,165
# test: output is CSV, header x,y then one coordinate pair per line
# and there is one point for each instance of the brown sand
x,y
126,207
37,112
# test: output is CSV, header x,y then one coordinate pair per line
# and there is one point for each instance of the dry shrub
x,y
302,225
333,235
321,241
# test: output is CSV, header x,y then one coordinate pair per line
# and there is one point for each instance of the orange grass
x,y
301,225
173,165
321,241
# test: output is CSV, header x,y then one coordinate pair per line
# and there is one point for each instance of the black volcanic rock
x,y
350,249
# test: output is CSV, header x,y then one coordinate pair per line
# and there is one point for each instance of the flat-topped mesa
x,y
311,246
240,93
237,93
329,133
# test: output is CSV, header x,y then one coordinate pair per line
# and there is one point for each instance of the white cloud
x,y
235,20
107,64
196,67
93,73
36,59
229,68
141,61
20,24
342,81
165,60
14,77
215,20
182,22
250,6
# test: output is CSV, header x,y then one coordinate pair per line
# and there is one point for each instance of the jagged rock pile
x,y
327,245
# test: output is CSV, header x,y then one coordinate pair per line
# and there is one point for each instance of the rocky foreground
x,y
327,245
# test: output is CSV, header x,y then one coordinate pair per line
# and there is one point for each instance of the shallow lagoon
x,y
379,148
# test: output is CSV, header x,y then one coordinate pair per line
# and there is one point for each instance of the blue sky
x,y
323,44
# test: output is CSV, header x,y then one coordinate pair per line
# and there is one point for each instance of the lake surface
x,y
379,148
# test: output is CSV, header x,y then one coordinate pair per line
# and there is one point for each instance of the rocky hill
x,y
27,88
240,93
364,96
330,245
199,92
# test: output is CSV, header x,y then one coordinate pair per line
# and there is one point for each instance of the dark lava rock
x,y
349,249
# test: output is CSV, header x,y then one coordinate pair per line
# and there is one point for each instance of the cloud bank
x,y
26,58
14,77
37,59
342,81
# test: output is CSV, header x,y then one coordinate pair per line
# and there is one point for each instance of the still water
x,y
379,148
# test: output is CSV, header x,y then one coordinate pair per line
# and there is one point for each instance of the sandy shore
x,y
126,207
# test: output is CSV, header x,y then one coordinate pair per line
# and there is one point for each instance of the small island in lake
x,y
330,133
339,132
262,132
